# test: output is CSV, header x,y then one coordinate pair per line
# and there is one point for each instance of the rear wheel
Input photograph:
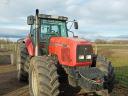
x,y
22,55
43,77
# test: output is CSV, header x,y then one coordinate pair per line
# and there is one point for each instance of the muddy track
x,y
8,80
10,86
19,92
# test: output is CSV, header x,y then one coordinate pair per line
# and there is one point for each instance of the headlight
x,y
88,56
81,57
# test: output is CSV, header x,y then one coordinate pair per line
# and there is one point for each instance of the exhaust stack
x,y
37,34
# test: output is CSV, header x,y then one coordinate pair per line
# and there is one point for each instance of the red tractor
x,y
47,56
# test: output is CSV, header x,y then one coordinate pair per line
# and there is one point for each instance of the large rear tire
x,y
22,55
43,77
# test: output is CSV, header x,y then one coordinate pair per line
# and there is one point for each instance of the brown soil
x,y
19,92
9,82
120,91
9,86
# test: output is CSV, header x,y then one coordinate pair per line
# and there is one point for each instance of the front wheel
x,y
107,68
22,55
43,78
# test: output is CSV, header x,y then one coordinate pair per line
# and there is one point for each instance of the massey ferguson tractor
x,y
48,55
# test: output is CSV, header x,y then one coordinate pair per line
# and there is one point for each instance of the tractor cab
x,y
43,27
49,26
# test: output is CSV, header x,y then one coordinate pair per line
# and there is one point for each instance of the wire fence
x,y
122,75
9,47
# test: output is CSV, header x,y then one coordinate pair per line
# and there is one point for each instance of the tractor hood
x,y
67,50
68,40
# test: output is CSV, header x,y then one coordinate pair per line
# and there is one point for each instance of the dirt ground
x,y
119,91
8,81
9,86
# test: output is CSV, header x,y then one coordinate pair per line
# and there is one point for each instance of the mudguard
x,y
29,46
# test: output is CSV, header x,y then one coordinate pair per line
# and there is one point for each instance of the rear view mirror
x,y
76,25
30,20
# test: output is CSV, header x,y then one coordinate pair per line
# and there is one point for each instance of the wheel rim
x,y
34,83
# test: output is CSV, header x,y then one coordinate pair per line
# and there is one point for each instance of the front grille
x,y
83,50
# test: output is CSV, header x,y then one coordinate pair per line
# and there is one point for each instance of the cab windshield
x,y
53,28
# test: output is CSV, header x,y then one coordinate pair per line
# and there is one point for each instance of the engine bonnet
x,y
66,48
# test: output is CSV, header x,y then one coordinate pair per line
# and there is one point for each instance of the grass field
x,y
118,55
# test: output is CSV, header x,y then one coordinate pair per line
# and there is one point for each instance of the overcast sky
x,y
96,18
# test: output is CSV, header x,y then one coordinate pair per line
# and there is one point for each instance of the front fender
x,y
29,46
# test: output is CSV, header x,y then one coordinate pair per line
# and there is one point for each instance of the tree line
x,y
100,41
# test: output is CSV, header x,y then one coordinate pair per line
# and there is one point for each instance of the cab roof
x,y
53,17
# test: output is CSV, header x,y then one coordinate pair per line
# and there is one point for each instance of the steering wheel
x,y
53,31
